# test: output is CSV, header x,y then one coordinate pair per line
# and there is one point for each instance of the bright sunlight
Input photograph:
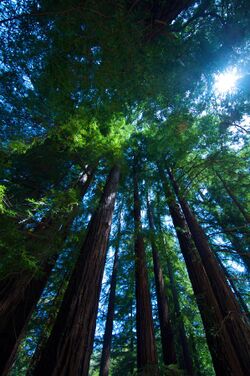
x,y
226,82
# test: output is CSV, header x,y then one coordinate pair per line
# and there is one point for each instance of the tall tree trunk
x,y
106,349
19,295
167,339
13,324
146,347
70,344
185,358
234,321
224,358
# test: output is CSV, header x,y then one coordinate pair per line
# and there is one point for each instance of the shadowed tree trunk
x,y
167,339
70,344
146,348
107,340
224,358
19,295
185,357
13,325
49,324
234,321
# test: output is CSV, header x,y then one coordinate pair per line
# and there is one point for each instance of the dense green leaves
x,y
91,84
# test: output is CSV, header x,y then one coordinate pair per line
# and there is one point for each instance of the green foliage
x,y
2,194
93,83
15,257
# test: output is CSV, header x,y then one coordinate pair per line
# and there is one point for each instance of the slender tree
x,y
146,347
224,358
234,321
185,356
167,339
70,344
50,319
107,340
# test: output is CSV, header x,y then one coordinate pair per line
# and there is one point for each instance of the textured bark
x,y
19,295
184,355
13,323
146,348
234,321
107,340
224,358
167,339
70,344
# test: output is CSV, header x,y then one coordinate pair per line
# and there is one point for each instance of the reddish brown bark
x,y
224,358
19,295
70,344
167,339
234,321
146,348
107,340
185,356
13,322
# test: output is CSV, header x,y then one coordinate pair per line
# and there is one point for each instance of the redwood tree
x,y
19,295
70,344
185,357
235,322
224,357
146,348
167,339
107,340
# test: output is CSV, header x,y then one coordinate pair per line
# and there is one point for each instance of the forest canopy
x,y
124,187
